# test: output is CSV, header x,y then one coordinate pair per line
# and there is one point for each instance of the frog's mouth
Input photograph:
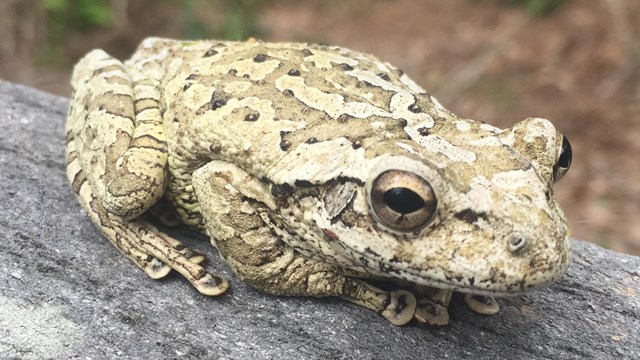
x,y
477,284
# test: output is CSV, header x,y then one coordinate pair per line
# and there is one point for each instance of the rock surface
x,y
66,292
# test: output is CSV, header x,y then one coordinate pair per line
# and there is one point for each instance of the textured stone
x,y
65,291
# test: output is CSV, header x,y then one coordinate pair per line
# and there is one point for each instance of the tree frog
x,y
316,171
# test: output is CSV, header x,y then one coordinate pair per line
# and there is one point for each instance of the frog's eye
x,y
402,201
564,160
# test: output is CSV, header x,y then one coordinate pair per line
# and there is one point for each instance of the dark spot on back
x,y
346,67
218,99
252,117
311,140
288,92
218,103
210,52
384,76
215,148
343,118
294,72
423,131
284,145
414,108
260,58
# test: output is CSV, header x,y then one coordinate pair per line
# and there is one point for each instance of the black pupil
x,y
403,200
565,156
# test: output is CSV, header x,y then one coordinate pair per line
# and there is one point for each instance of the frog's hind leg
x,y
116,160
150,249
238,208
152,266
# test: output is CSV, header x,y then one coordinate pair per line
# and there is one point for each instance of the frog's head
x,y
468,207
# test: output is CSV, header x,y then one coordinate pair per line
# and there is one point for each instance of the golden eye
x,y
402,201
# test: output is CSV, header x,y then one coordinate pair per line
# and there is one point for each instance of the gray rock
x,y
66,292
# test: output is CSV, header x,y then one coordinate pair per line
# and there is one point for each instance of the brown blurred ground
x,y
578,66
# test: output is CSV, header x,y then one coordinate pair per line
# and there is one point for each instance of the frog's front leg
x,y
236,207
116,156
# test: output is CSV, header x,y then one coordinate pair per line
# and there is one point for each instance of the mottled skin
x,y
314,169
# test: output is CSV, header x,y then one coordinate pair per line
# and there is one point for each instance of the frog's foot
x,y
432,309
176,256
150,249
156,253
485,305
192,255
401,308
397,306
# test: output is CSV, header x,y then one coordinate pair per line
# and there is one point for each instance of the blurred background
x,y
575,62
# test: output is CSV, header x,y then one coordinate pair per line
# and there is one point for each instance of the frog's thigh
x,y
120,141
234,202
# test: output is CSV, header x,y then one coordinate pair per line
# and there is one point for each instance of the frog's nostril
x,y
516,243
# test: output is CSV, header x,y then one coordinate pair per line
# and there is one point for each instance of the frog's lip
x,y
515,289
486,292
518,289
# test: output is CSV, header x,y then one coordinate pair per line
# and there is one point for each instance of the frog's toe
x,y
193,256
485,305
211,285
431,312
156,269
401,308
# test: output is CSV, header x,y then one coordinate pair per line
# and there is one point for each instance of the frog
x,y
315,171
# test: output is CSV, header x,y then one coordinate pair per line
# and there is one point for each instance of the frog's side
x,y
313,168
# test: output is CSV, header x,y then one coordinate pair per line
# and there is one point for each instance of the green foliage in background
x,y
77,14
240,20
535,7
222,19
538,7
64,16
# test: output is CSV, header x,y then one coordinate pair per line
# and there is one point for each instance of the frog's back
x,y
253,103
